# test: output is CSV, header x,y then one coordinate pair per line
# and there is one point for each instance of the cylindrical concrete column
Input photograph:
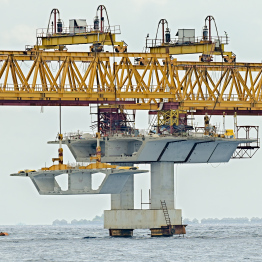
x,y
124,200
162,184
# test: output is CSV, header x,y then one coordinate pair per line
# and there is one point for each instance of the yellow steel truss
x,y
168,118
104,77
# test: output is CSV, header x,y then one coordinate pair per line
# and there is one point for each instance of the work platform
x,y
153,148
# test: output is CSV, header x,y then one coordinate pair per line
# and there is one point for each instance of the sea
x,y
230,242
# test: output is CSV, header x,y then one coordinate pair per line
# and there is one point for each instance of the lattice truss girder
x,y
110,77
244,153
168,117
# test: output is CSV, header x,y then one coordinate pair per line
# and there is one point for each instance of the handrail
x,y
186,41
68,31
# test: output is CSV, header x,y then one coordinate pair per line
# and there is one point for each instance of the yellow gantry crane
x,y
57,36
145,81
187,43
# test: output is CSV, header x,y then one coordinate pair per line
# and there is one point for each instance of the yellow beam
x,y
85,38
203,48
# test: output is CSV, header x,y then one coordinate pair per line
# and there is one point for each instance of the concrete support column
x,y
80,181
124,200
162,184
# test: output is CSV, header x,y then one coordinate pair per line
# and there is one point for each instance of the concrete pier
x,y
124,200
139,218
162,185
122,219
123,151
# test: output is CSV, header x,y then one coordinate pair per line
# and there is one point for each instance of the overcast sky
x,y
203,190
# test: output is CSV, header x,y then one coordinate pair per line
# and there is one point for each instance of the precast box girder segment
x,y
137,150
80,181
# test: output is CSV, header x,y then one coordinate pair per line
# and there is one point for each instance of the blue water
x,y
92,243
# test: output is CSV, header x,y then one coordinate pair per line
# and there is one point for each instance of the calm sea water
x,y
92,243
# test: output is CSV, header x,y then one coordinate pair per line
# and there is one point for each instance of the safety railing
x,y
249,132
186,41
248,149
72,135
49,32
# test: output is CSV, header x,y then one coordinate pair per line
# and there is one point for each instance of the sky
x,y
202,190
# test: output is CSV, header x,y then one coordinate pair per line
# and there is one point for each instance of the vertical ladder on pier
x,y
165,211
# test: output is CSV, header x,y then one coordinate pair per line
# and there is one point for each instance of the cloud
x,y
140,3
19,35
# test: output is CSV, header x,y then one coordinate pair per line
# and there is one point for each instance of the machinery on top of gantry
x,y
187,43
57,36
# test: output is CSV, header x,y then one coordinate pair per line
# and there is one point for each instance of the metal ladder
x,y
167,218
